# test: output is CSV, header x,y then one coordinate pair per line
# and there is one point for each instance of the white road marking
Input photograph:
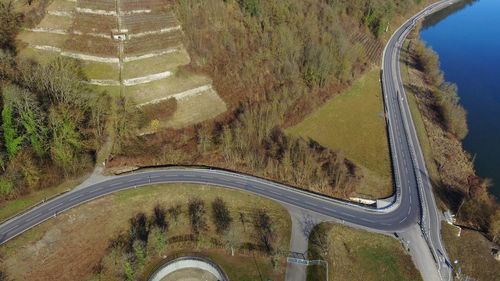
x,y
56,206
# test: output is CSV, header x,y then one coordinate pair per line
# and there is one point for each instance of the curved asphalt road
x,y
414,199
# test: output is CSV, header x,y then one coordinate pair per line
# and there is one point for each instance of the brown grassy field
x,y
473,253
360,255
76,240
165,87
156,64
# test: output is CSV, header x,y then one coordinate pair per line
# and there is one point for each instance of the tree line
x,y
52,122
149,236
453,115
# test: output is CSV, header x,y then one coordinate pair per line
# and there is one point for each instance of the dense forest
x,y
51,122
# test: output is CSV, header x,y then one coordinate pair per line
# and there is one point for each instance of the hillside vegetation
x,y
52,124
273,62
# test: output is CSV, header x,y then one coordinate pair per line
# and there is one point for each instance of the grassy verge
x,y
10,208
473,253
358,255
353,123
78,239
416,115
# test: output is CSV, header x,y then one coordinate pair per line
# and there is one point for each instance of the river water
x,y
467,38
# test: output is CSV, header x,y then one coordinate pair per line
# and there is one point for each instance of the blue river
x,y
467,39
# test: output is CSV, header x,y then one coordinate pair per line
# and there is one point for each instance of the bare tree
x,y
263,230
159,217
196,209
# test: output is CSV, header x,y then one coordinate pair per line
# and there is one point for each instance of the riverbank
x,y
467,39
450,166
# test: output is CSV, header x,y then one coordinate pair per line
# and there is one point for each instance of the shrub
x,y
159,218
6,186
220,215
196,209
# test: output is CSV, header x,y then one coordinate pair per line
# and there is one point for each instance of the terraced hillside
x,y
129,47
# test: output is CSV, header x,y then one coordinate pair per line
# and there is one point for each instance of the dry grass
x,y
353,123
56,22
153,65
62,6
360,255
473,253
40,56
111,90
165,87
47,39
196,109
97,70
77,239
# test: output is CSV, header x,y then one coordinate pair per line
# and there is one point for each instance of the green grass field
x,y
353,123
360,255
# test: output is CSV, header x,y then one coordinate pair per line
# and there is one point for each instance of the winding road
x,y
414,201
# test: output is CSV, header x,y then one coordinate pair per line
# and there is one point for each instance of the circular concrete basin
x,y
189,269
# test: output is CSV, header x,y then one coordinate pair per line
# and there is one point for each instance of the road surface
x,y
414,203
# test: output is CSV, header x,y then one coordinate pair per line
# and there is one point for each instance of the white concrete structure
x,y
189,262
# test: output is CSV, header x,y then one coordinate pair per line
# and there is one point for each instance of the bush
x,y
175,212
428,62
6,187
196,209
159,218
139,230
220,215
10,24
454,115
